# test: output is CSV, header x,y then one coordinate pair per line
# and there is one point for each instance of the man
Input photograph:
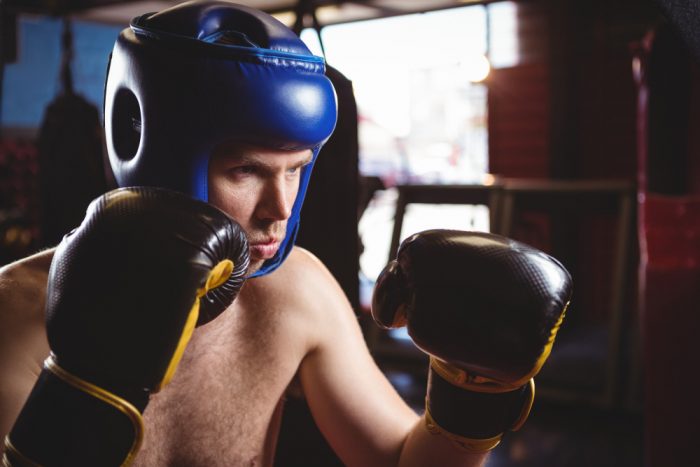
x,y
225,104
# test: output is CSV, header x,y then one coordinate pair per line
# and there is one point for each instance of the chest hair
x,y
222,406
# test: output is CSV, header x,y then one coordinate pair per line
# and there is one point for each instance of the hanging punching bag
x,y
70,156
329,216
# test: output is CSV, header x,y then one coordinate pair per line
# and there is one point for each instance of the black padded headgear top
x,y
184,81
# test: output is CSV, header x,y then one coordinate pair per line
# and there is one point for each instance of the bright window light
x,y
422,111
503,23
420,92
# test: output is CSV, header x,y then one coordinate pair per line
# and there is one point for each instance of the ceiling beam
x,y
59,7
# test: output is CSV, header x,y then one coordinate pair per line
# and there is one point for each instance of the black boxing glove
x,y
487,310
126,290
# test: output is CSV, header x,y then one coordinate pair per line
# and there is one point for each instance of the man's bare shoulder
x,y
23,343
302,276
306,291
23,286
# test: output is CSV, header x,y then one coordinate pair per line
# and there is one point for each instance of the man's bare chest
x,y
223,405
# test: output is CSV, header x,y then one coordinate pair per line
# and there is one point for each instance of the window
x,y
422,108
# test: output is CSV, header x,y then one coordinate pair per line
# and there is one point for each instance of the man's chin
x,y
255,266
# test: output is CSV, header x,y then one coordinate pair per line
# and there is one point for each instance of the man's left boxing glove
x,y
126,290
487,310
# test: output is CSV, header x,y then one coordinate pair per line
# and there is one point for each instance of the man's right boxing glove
x,y
126,290
487,310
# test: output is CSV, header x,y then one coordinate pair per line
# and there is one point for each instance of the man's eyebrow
x,y
245,158
307,160
251,158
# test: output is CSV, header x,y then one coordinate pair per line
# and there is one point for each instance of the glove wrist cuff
x,y
474,414
69,421
470,382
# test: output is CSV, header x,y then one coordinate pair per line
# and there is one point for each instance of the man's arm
x,y
359,412
484,307
125,292
23,343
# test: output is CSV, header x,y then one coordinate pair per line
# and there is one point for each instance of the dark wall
x,y
567,110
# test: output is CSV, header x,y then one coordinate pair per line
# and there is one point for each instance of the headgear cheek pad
x,y
183,81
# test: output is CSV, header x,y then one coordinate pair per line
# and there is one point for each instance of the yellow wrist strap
x,y
115,401
462,379
13,452
472,383
217,276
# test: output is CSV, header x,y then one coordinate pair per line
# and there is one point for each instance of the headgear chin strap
x,y
183,81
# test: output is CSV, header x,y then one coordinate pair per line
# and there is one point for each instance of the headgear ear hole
x,y
126,129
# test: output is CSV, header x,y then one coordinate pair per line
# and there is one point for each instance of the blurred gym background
x,y
566,124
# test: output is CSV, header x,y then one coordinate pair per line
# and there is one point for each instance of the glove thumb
x,y
390,296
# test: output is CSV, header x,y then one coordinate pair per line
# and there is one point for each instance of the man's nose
x,y
276,203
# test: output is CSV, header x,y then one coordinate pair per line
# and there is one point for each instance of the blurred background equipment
x,y
70,154
578,109
667,73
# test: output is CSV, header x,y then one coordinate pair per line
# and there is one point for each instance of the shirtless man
x,y
225,104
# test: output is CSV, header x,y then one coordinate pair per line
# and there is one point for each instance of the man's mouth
x,y
265,249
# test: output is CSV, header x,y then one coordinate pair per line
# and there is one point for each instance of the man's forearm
x,y
424,448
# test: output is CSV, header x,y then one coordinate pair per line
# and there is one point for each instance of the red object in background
x,y
669,267
18,199
19,169
669,293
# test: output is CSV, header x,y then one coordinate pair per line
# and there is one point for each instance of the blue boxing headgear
x,y
183,81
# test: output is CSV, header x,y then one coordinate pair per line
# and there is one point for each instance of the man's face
x,y
257,187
